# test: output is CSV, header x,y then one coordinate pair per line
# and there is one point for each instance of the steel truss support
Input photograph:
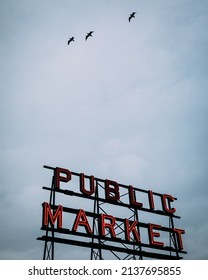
x,y
172,237
48,253
97,244
96,253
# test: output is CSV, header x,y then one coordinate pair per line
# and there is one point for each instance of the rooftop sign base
x,y
111,219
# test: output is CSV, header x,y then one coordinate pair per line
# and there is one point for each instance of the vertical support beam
x,y
136,218
172,235
48,253
96,254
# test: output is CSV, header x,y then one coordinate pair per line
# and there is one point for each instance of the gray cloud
x,y
129,104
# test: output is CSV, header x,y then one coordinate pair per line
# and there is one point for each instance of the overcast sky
x,y
129,104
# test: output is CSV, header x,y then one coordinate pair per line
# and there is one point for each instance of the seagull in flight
x,y
132,15
89,35
70,40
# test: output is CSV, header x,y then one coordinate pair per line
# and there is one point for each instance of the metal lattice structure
x,y
96,253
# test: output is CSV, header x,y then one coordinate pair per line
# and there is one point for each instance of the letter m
x,y
52,216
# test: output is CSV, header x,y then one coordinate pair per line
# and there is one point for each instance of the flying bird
x,y
70,40
89,35
132,15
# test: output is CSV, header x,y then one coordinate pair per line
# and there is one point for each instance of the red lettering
x,y
166,207
131,228
179,237
110,225
48,216
132,198
111,190
153,234
151,200
60,178
82,185
81,220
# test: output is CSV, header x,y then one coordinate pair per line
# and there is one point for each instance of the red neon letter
x,y
131,228
133,199
82,185
151,200
81,220
179,238
166,207
59,178
49,217
110,225
114,189
153,234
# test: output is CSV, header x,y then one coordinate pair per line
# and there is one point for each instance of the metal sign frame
x,y
120,236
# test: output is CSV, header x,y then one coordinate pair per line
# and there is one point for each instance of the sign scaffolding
x,y
114,219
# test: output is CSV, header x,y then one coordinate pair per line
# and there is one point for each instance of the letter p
x,y
61,175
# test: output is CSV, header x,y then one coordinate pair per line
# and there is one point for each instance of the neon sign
x,y
104,227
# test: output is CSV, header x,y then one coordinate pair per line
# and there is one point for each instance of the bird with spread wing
x,y
70,40
132,15
89,35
